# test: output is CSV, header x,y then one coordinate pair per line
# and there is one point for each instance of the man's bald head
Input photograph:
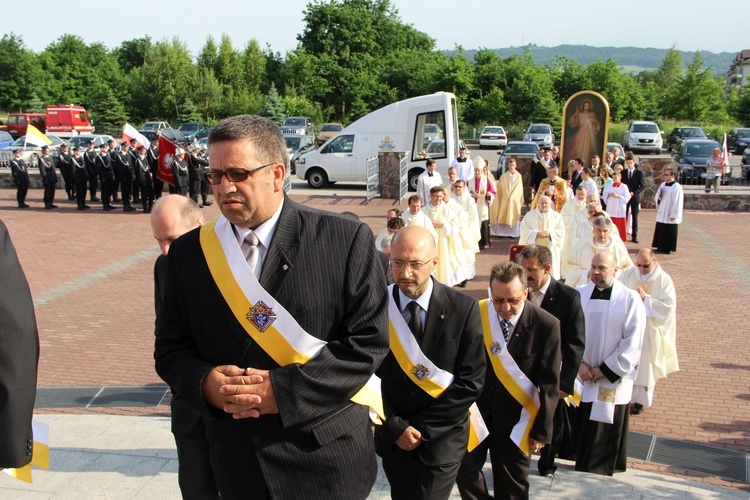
x,y
413,259
603,269
172,216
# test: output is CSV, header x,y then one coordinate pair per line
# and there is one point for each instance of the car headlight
x,y
301,160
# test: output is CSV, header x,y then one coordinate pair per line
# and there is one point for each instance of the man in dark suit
x,y
49,178
89,161
575,176
633,178
424,437
81,176
539,166
20,173
275,428
564,303
531,336
19,357
125,172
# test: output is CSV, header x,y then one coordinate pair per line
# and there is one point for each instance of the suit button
x,y
257,440
411,394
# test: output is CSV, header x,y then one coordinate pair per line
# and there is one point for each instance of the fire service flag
x,y
129,132
167,150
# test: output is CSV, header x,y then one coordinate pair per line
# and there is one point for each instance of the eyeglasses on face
x,y
400,264
213,177
510,302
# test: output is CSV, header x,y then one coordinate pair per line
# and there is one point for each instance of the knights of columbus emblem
x,y
261,316
420,371
495,347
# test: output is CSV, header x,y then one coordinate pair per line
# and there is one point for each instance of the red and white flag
x,y
129,132
167,150
725,156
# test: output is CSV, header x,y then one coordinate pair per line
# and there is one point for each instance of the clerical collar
x,y
670,183
429,174
601,294
462,160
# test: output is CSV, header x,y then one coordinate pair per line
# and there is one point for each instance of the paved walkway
x,y
91,276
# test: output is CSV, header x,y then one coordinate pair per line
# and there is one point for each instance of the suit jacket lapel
x,y
550,298
283,249
521,332
435,324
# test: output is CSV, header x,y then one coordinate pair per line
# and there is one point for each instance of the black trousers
x,y
194,473
602,448
21,191
107,186
195,186
127,184
81,193
562,444
158,187
470,479
93,179
205,190
633,209
136,185
49,193
70,186
410,479
484,231
182,190
147,195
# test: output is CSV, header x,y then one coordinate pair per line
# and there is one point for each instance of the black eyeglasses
x,y
510,302
213,177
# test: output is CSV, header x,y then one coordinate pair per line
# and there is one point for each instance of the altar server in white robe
x,y
659,354
543,226
416,217
615,323
505,211
668,199
602,240
464,269
444,221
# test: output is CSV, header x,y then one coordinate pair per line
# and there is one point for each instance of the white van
x,y
409,126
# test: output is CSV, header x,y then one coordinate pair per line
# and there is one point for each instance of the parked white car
x,y
493,136
643,136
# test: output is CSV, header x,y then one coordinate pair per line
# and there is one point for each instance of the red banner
x,y
167,150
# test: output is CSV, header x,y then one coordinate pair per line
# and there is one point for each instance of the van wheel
x,y
317,178
414,179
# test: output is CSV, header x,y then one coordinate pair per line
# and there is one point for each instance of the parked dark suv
x,y
679,134
738,140
173,135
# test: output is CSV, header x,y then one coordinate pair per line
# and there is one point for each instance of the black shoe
x,y
106,208
71,198
463,284
128,209
86,207
634,240
94,198
81,207
26,205
637,409
550,473
116,200
53,206
48,207
137,200
110,207
207,203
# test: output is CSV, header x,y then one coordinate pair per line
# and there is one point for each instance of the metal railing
x,y
373,178
403,176
735,178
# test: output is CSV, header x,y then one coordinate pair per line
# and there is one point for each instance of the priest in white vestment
x,y
416,217
659,353
615,324
543,226
579,261
505,211
445,223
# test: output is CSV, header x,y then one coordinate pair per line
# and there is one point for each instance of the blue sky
x,y
689,24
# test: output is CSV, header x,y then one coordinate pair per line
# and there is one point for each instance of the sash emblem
x,y
261,316
495,347
420,371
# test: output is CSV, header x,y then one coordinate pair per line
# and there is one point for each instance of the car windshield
x,y
493,130
294,121
150,126
293,142
436,147
189,127
743,133
539,129
648,128
700,149
521,148
78,140
331,128
693,132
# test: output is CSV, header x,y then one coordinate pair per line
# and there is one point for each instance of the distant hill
x,y
633,59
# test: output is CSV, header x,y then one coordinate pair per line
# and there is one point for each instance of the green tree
x,y
273,107
132,53
698,96
568,77
189,112
21,74
227,68
253,67
207,92
666,79
209,54
107,108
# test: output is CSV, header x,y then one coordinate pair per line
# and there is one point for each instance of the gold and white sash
x,y
423,372
513,379
257,311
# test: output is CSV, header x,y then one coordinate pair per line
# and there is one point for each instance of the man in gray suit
x,y
19,357
274,320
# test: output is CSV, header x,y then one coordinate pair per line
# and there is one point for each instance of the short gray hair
x,y
506,271
539,252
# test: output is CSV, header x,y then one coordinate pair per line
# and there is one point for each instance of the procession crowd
x,y
285,333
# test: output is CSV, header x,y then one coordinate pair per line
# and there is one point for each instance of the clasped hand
x,y
241,392
589,373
